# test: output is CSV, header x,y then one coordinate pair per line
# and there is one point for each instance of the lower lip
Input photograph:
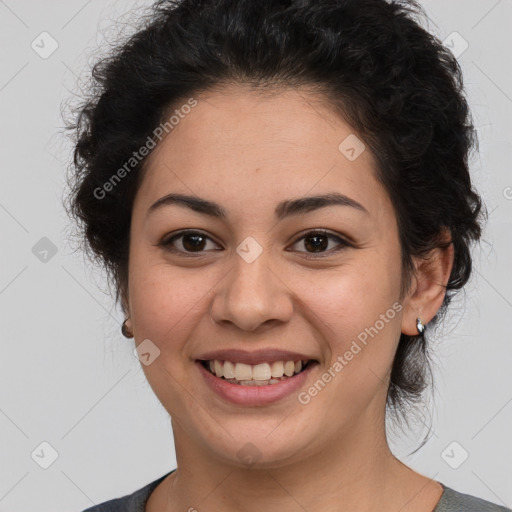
x,y
254,395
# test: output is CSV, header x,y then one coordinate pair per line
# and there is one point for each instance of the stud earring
x,y
420,325
125,331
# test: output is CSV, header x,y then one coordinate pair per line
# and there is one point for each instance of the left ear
x,y
427,293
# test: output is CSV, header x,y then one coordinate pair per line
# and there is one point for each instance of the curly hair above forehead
x,y
389,78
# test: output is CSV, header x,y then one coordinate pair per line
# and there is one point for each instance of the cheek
x,y
357,313
166,302
356,310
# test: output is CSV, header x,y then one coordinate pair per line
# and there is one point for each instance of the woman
x,y
280,193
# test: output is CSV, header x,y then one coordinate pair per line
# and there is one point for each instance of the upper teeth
x,y
263,371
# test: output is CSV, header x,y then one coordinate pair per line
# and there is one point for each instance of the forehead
x,y
239,144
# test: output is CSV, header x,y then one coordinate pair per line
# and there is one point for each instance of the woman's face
x,y
260,278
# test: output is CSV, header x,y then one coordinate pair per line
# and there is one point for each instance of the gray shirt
x,y
451,501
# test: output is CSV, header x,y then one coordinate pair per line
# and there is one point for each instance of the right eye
x,y
190,241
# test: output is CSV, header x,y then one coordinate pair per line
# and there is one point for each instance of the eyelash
x,y
167,243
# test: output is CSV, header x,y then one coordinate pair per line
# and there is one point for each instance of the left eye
x,y
318,241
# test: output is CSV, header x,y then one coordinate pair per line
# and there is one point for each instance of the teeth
x,y
242,371
277,369
229,370
256,382
259,374
289,368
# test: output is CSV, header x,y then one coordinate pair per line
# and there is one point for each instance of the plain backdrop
x,y
72,395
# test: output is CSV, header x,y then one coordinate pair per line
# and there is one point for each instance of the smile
x,y
255,385
262,374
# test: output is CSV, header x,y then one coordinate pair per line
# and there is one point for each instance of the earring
x,y
125,331
420,325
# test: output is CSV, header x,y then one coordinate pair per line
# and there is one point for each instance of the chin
x,y
262,448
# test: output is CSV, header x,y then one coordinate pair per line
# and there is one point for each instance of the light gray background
x,y
69,378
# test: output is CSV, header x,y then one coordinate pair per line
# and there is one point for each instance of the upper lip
x,y
254,357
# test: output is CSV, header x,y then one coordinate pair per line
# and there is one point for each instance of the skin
x,y
247,151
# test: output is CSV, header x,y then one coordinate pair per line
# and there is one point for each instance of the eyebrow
x,y
283,209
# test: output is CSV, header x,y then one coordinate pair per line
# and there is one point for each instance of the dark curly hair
x,y
390,79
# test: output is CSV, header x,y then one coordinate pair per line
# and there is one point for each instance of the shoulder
x,y
134,502
454,501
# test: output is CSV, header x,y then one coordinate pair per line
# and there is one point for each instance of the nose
x,y
252,295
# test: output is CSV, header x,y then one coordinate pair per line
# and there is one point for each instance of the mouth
x,y
262,374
